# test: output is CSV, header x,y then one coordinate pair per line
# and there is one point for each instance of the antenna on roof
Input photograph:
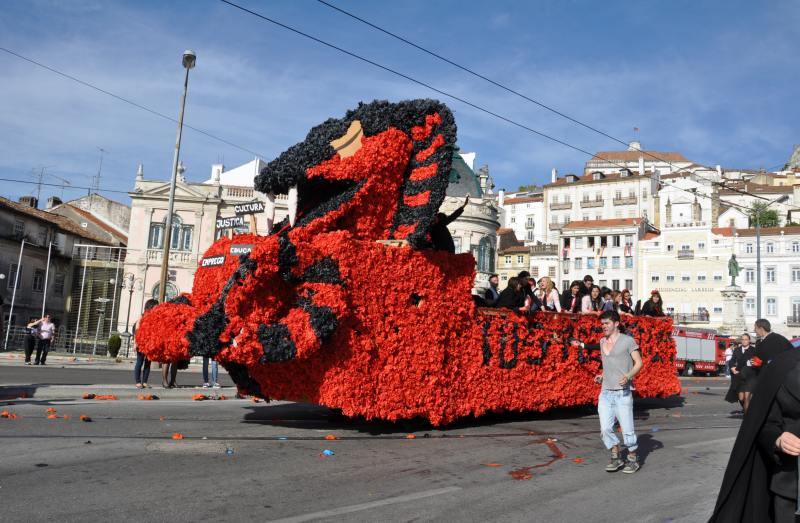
x,y
95,186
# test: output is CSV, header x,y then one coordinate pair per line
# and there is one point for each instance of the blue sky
x,y
715,80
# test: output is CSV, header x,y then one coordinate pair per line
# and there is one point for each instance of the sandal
x,y
138,385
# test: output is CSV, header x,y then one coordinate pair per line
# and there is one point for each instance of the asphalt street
x,y
239,460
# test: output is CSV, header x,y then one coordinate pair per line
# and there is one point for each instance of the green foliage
x,y
114,343
767,217
530,187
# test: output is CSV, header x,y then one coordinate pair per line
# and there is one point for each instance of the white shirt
x,y
46,330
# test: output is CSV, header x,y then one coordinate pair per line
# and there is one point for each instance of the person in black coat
x,y
771,343
492,294
441,238
571,300
760,482
512,296
736,391
654,306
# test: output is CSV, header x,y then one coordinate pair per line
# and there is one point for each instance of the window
x,y
629,262
701,277
535,272
578,243
629,285
616,241
456,244
748,248
42,237
614,285
717,276
19,228
602,283
770,247
520,260
670,276
686,247
485,255
187,233
598,197
717,310
686,277
529,236
591,242
670,247
796,247
749,275
578,263
618,213
716,242
508,260
644,192
772,307
701,246
58,284
655,278
586,217
590,263
504,277
795,274
551,272
615,262
603,262
38,280
750,305
618,195
629,240
156,239
12,275
770,272
529,221
514,220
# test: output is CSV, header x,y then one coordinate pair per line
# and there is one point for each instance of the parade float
x,y
345,305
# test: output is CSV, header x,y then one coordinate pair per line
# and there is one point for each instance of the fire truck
x,y
700,350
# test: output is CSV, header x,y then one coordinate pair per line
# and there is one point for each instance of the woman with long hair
x,y
626,302
592,303
512,296
551,301
654,306
571,300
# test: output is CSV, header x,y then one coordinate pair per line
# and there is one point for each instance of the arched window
x,y
175,238
485,255
156,238
172,291
180,239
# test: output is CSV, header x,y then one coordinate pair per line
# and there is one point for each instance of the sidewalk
x,y
61,359
11,392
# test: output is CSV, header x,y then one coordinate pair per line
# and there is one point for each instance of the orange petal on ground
x,y
577,460
84,417
493,465
410,436
330,437
177,435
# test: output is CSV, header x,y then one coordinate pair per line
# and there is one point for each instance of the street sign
x,y
230,222
238,250
248,208
213,261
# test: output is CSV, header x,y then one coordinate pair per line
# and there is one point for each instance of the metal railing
x,y
555,226
187,257
544,249
592,203
686,254
629,200
65,341
556,206
793,321
693,317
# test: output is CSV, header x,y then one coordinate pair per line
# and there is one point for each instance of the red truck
x,y
700,350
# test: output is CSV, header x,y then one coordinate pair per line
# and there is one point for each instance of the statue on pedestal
x,y
733,269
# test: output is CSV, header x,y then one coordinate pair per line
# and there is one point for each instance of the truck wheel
x,y
688,370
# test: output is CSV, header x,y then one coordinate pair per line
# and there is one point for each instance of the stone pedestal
x,y
733,310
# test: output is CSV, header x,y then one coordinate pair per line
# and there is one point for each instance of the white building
x,y
635,159
604,249
524,214
780,276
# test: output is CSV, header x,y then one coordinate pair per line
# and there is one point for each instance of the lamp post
x,y
758,251
189,60
130,283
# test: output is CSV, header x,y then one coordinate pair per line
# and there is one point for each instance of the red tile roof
x,y
589,178
650,235
595,224
65,224
770,231
722,231
633,156
515,249
523,199
100,223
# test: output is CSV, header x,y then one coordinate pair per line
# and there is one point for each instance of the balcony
x,y
555,226
556,206
630,200
182,257
544,249
530,225
686,254
793,321
592,203
693,317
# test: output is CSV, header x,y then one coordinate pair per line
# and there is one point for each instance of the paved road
x,y
125,466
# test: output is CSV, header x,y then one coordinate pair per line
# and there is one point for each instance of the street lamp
x,y
130,283
758,251
189,60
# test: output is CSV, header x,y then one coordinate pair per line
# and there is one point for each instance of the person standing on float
x,y
622,361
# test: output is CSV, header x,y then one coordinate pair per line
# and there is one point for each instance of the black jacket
x,y
649,309
566,302
745,492
441,238
784,416
491,296
511,299
770,346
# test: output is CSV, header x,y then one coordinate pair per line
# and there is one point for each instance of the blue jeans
x,y
616,405
214,370
141,371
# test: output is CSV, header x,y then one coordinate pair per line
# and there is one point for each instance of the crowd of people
x,y
524,294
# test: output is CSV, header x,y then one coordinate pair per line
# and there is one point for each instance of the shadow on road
x,y
647,444
305,416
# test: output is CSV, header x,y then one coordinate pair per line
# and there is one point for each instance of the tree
x,y
766,216
527,188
